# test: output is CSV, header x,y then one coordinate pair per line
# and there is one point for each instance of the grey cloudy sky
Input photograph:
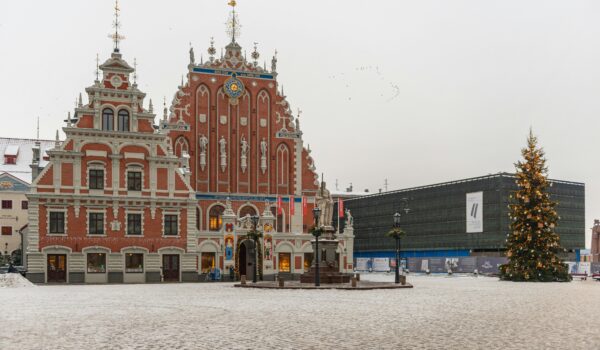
x,y
417,92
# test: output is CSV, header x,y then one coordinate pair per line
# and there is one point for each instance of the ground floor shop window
x,y
208,262
284,262
308,259
96,263
134,262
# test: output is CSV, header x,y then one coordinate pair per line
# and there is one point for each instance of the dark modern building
x,y
458,218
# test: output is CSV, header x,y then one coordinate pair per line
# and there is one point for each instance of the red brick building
x,y
124,201
232,121
113,204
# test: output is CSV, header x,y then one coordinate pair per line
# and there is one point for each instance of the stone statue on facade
x,y
263,155
192,59
223,151
244,154
203,143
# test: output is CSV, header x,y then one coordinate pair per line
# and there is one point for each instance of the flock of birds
x,y
390,92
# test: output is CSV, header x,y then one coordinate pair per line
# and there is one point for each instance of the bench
x,y
596,276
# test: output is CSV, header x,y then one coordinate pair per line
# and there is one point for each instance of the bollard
x,y
243,280
449,272
353,281
280,282
357,277
427,271
402,279
476,272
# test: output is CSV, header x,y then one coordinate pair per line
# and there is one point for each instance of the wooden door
x,y
171,268
57,268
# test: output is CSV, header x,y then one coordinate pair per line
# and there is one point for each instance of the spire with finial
x,y
97,68
255,55
211,50
150,107
164,108
56,141
233,24
116,37
298,120
134,71
38,127
69,119
80,102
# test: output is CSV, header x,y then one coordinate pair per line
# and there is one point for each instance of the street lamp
x,y
317,232
255,235
397,237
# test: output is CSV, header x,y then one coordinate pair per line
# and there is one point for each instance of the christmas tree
x,y
532,244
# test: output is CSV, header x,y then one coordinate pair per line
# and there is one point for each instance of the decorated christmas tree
x,y
532,244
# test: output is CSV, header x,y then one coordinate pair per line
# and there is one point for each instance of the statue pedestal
x,y
329,269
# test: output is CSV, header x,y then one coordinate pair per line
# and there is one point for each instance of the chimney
x,y
35,162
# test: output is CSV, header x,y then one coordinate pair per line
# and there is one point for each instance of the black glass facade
x,y
437,217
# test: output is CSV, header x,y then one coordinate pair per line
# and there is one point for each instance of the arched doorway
x,y
246,261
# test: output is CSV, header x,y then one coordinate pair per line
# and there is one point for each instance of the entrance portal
x,y
171,268
246,262
57,268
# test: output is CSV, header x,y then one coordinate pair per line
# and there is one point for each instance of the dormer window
x,y
107,119
123,120
10,154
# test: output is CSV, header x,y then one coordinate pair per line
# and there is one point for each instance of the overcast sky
x,y
416,92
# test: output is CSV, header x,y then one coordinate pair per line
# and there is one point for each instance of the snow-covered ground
x,y
14,280
438,313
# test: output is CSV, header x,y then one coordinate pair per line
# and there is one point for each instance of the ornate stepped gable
x,y
238,128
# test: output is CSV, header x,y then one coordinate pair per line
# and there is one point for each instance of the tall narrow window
x,y
215,218
134,180
107,119
96,223
96,179
170,225
57,222
123,119
134,224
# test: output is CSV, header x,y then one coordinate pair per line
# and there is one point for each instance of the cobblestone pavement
x,y
438,313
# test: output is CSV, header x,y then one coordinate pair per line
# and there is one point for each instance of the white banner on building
x,y
474,212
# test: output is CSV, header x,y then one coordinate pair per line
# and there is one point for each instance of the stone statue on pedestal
x,y
325,203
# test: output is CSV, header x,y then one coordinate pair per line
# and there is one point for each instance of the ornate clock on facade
x,y
234,88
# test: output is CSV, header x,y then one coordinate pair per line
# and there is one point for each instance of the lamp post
x,y
397,237
317,232
255,235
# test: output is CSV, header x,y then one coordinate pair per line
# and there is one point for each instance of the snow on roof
x,y
24,154
11,150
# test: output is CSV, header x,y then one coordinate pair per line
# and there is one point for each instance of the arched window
x,y
181,146
282,166
107,119
215,218
247,210
123,120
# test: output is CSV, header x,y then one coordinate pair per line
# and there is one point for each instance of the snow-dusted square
x,y
439,312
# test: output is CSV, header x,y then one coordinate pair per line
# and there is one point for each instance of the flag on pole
x,y
304,206
292,209
279,206
340,208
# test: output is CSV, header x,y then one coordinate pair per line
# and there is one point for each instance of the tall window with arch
x,y
215,218
123,120
107,119
283,166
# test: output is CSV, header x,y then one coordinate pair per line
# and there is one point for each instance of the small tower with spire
x,y
116,37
